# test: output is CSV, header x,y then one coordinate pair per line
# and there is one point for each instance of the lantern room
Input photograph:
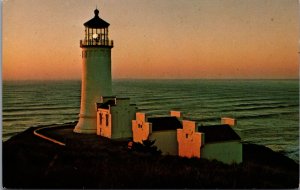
x,y
96,33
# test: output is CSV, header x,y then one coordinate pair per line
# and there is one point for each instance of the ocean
x,y
267,111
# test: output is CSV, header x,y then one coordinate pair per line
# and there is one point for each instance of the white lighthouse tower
x,y
96,72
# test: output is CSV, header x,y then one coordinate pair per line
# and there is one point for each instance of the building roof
x,y
165,123
106,104
96,22
218,133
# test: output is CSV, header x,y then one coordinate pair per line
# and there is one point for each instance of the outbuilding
x,y
114,116
214,142
162,130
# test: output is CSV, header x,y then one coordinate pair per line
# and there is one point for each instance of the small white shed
x,y
162,130
114,116
219,142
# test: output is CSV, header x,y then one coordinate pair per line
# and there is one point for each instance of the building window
x,y
106,119
186,136
100,116
140,125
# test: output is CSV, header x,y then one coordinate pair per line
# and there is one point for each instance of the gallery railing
x,y
95,42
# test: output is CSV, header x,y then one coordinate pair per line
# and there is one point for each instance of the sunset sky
x,y
176,39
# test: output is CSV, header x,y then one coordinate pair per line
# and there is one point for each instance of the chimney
x,y
228,121
176,114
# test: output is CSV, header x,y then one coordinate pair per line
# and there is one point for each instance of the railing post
x,y
101,42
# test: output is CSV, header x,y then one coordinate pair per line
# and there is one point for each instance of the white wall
x,y
227,152
189,141
104,128
122,116
166,141
141,129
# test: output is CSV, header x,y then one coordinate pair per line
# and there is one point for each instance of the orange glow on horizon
x,y
194,39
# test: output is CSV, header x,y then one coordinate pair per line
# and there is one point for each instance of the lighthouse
x,y
96,72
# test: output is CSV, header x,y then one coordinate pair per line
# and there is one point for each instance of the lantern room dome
x,y
96,22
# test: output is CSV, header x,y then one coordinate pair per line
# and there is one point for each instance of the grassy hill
x,y
89,161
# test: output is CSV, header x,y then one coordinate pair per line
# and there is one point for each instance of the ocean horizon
x,y
267,110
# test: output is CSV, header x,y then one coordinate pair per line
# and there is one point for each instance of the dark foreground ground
x,y
89,161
